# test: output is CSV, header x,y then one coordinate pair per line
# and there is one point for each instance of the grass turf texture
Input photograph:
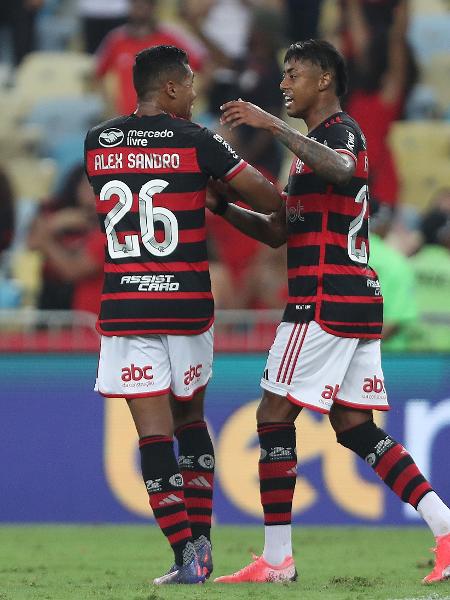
x,y
118,563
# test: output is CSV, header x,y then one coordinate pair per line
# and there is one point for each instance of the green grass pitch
x,y
118,563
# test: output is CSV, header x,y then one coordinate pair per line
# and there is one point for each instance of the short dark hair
x,y
324,54
154,65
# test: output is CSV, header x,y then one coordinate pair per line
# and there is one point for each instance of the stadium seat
x,y
437,77
26,271
429,34
422,153
52,75
31,178
64,117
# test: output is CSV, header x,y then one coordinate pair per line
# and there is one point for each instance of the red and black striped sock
x,y
164,484
196,464
390,461
277,471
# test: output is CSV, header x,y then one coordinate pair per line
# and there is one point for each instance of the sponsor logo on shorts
x,y
206,461
176,480
111,137
373,388
134,373
330,392
192,374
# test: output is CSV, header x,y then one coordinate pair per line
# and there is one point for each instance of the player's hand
x,y
238,112
216,195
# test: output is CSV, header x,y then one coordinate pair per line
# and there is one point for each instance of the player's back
x,y
149,175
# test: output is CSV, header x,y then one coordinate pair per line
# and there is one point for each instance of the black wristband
x,y
222,205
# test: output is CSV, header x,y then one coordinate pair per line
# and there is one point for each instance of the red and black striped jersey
x,y
149,175
330,280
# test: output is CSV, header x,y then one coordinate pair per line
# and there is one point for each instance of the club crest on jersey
x,y
110,137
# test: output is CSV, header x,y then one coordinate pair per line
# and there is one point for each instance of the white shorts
x,y
140,366
313,368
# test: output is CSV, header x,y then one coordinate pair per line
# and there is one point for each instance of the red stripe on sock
x,y
206,519
171,520
387,461
179,536
420,491
273,496
154,439
274,427
270,518
404,478
194,425
276,469
208,475
194,502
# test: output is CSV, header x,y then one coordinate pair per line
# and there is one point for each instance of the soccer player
x,y
149,171
326,353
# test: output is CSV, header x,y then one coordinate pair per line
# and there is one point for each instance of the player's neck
x,y
320,113
149,108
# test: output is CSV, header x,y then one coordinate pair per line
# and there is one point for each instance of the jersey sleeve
x,y
344,138
216,157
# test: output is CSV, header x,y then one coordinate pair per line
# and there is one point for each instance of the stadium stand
x,y
422,153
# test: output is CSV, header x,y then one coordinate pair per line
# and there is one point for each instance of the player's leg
x,y
153,420
196,461
299,366
138,369
277,477
277,464
277,473
191,358
355,429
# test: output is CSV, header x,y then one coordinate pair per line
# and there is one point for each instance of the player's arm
x,y
268,229
252,187
335,167
218,159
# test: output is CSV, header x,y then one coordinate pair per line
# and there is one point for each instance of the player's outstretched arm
x,y
268,229
256,190
334,167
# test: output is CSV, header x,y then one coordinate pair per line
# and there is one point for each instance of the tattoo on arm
x,y
327,163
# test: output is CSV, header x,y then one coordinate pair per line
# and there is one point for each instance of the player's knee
x,y
343,418
275,409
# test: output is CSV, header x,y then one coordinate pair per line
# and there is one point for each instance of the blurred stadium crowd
x,y
66,65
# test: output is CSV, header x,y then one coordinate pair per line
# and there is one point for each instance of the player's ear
x,y
171,89
325,80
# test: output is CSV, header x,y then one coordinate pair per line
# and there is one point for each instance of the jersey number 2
x,y
358,254
148,215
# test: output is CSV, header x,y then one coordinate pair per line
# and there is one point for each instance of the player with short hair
x,y
149,171
326,353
